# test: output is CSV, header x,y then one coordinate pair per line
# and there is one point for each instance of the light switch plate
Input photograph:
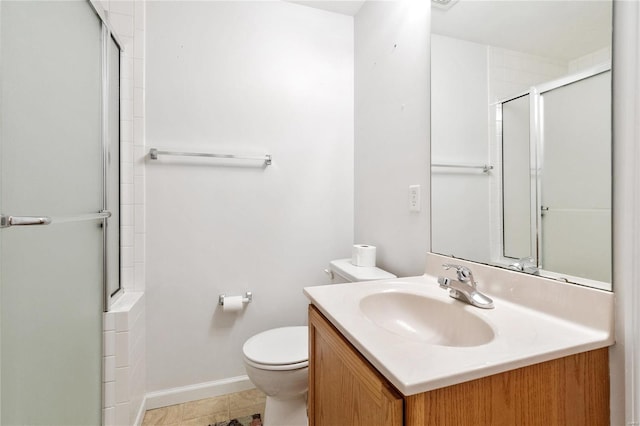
x,y
414,198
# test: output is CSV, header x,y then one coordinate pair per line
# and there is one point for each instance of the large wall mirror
x,y
521,136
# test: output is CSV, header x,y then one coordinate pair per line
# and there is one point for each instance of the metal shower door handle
x,y
7,221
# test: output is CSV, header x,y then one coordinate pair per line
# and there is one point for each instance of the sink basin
x,y
425,319
421,339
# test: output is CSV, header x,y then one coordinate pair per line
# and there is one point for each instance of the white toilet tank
x,y
343,271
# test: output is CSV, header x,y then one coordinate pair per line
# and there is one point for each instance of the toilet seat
x,y
280,367
285,348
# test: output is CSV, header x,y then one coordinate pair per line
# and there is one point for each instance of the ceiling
x,y
564,29
344,7
559,29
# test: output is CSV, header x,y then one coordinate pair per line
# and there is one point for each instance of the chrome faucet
x,y
464,288
526,265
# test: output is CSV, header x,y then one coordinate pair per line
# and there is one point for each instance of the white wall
x,y
460,131
241,77
392,131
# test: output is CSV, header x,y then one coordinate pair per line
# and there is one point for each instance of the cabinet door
x,y
343,388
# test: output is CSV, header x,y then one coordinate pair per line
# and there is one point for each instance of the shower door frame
x,y
537,161
107,34
536,166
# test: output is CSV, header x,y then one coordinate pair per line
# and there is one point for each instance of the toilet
x,y
277,360
343,271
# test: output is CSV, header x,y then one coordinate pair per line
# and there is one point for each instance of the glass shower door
x,y
575,199
51,275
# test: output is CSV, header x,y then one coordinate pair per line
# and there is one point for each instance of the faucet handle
x,y
526,264
464,274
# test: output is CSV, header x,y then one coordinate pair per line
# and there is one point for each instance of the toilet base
x,y
286,412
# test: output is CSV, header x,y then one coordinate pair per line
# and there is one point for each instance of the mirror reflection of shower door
x,y
575,199
516,179
51,165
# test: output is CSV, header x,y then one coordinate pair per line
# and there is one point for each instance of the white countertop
x,y
523,336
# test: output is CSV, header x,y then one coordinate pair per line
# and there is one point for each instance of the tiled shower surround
x,y
124,325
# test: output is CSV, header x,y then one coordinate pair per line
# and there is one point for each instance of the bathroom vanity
x,y
344,388
402,352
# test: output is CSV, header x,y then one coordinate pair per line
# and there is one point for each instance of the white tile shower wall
x,y
512,72
244,77
600,56
124,362
124,325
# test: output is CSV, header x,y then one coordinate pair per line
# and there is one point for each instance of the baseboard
x,y
141,411
182,394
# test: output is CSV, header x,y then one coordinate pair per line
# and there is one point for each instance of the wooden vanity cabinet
x,y
344,389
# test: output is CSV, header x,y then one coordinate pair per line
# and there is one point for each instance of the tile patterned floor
x,y
208,411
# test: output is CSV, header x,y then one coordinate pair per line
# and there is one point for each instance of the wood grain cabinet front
x,y
344,389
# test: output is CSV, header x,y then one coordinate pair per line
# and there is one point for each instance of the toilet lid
x,y
279,346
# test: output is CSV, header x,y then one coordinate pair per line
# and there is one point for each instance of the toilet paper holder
x,y
247,298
